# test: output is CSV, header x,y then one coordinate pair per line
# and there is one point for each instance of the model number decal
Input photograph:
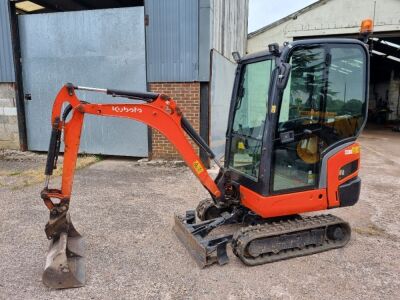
x,y
120,109
353,150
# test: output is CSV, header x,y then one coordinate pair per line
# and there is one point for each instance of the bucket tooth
x,y
65,263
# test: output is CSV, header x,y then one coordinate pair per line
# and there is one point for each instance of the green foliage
x,y
352,107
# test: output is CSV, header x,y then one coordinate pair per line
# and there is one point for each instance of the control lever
x,y
307,131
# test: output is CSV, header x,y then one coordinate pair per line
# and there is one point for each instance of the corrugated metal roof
x,y
6,54
172,40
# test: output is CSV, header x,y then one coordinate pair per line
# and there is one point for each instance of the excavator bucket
x,y
65,263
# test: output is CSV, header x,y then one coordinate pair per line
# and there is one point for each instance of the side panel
x,y
323,179
335,164
283,205
311,200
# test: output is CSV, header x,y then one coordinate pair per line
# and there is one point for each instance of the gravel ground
x,y
125,210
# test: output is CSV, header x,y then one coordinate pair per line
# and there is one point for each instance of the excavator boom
x,y
158,111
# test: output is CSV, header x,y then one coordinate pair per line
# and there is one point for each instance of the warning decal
x,y
197,166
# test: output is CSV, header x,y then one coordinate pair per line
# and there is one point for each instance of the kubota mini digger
x,y
291,148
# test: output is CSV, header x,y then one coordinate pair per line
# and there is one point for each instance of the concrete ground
x,y
125,210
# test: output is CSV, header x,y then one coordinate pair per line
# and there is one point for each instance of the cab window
x,y
323,103
249,118
345,101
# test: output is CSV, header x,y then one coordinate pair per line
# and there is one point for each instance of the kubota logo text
x,y
122,109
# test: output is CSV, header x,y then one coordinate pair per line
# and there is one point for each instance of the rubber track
x,y
243,238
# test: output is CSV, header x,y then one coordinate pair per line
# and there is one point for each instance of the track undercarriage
x,y
260,240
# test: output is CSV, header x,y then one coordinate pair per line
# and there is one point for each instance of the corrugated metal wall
x,y
172,40
229,26
176,46
6,56
204,40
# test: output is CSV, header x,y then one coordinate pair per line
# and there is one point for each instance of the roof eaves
x,y
287,18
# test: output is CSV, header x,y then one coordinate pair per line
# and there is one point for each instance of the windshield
x,y
328,94
249,119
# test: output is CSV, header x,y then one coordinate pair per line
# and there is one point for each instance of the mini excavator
x,y
295,114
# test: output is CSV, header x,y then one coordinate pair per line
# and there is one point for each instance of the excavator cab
x,y
280,136
294,118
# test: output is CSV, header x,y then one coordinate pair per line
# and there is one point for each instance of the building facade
x,y
221,25
179,37
342,18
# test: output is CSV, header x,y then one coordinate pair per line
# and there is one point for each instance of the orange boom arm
x,y
159,111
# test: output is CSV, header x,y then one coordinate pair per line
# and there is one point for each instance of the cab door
x,y
323,105
246,132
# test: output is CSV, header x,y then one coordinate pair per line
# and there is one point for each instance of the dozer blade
x,y
205,251
65,263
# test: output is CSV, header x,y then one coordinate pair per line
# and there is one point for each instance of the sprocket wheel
x,y
206,210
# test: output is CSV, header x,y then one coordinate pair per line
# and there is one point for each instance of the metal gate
x,y
99,48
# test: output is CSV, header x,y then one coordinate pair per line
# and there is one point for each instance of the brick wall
x,y
8,117
187,95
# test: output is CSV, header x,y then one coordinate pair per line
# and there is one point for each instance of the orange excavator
x,y
296,112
